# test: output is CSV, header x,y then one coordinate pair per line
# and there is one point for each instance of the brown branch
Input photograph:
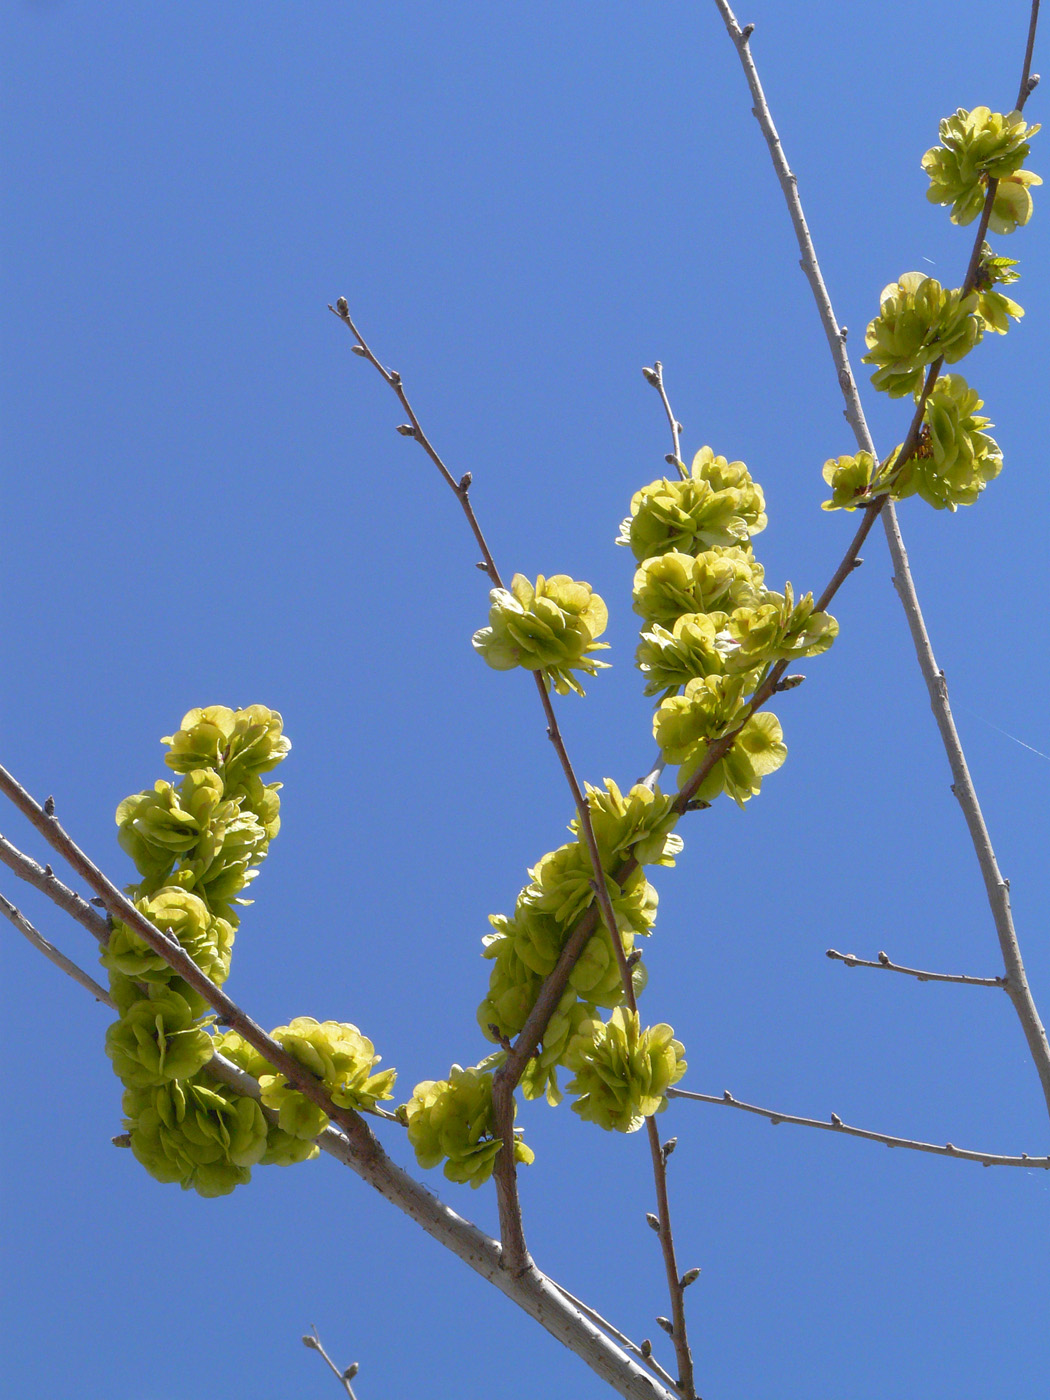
x,y
997,889
640,1351
40,943
43,878
851,960
1029,80
836,1125
675,1286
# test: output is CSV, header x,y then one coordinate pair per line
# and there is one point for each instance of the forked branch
x,y
997,889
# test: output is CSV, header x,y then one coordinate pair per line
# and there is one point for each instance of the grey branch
x,y
353,1144
851,960
996,887
43,878
50,952
836,1125
343,1377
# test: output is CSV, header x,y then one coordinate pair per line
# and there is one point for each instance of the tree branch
x,y
40,943
43,878
997,889
836,1125
343,1377
851,960
352,1142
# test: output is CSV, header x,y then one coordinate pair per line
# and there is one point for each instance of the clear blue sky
x,y
206,502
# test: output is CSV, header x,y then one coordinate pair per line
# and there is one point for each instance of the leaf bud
x,y
654,1223
406,430
665,1323
342,306
690,1276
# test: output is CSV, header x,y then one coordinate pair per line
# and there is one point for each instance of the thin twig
x,y
655,377
836,1125
43,878
353,1144
50,952
512,1232
997,889
675,1286
646,1356
343,1377
851,960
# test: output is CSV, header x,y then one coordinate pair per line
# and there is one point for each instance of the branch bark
x,y
996,888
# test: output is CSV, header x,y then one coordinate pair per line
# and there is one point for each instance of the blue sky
x,y
207,503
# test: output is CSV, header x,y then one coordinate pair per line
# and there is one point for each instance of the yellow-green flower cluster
x,y
955,458
524,949
977,147
855,481
622,1073
919,321
714,628
549,628
451,1120
197,844
716,504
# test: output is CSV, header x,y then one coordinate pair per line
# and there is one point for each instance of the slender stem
x,y
655,377
50,952
625,1341
43,878
675,1287
996,887
1028,80
836,1125
851,960
314,1343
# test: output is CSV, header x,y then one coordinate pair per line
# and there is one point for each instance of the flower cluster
x,y
713,627
549,628
955,458
919,321
622,1073
451,1120
977,147
197,844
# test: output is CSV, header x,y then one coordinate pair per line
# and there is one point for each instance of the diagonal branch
x,y
997,889
836,1125
43,878
851,960
352,1142
41,944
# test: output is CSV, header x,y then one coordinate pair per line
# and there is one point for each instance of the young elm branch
x,y
836,1125
41,944
997,889
352,1143
851,960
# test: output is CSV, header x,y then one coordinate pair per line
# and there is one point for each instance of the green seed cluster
x,y
921,322
977,147
198,844
713,628
622,1073
451,1120
549,628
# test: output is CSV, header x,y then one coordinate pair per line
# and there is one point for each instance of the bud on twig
x,y
351,1371
359,350
651,377
654,1222
311,1342
665,1323
406,430
342,306
690,1276
646,1348
465,480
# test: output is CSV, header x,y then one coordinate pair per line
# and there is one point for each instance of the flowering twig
x,y
997,889
851,960
352,1142
836,1125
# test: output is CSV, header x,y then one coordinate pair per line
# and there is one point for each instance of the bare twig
x,y
625,1341
43,878
50,952
352,1143
851,960
996,887
655,377
343,1377
836,1125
